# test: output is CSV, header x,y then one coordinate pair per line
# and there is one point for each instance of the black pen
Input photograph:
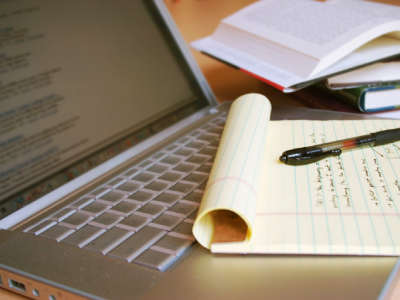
x,y
308,155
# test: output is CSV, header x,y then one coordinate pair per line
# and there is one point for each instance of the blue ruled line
x,y
384,178
309,194
297,202
234,153
323,195
351,198
247,156
362,190
337,196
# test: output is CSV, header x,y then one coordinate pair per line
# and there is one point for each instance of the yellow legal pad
x,y
343,205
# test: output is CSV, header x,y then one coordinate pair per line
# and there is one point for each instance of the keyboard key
x,y
218,120
81,203
217,130
183,188
172,160
206,127
183,231
61,215
109,240
196,145
207,137
206,168
198,159
184,140
172,148
146,164
144,178
43,226
165,222
202,187
112,198
124,208
159,155
133,222
83,236
137,243
155,259
130,173
185,168
128,187
156,187
94,209
158,169
195,133
57,233
210,151
140,197
99,192
215,143
194,198
195,178
115,182
191,218
76,221
166,199
184,152
106,220
172,245
171,177
181,210
150,210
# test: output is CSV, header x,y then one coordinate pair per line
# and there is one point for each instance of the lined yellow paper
x,y
343,205
234,181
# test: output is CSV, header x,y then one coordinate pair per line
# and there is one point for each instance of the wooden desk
x,y
197,19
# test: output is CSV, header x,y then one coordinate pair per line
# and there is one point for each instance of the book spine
x,y
351,97
356,96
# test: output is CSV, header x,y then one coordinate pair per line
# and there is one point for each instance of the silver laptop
x,y
108,133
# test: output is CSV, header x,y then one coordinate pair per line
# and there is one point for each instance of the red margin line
x,y
236,179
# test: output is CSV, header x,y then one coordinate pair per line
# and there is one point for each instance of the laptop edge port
x,y
17,285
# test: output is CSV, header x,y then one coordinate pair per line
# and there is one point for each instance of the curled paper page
x,y
230,199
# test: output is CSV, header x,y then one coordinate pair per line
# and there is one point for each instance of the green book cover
x,y
356,97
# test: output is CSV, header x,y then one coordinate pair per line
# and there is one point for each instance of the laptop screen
x,y
81,81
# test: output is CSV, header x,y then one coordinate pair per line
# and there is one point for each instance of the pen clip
x,y
305,160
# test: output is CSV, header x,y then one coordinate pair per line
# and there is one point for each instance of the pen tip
x,y
282,158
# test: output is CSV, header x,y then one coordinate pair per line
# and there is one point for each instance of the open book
x,y
292,43
254,204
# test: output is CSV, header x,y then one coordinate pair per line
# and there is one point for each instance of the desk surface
x,y
197,19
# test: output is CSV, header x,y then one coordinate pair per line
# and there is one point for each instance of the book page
x,y
300,36
378,72
344,205
311,27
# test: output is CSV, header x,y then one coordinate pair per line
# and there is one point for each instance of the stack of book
x,y
371,89
338,44
362,90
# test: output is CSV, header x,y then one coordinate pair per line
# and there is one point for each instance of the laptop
x,y
108,134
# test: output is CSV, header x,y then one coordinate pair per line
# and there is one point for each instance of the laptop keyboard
x,y
145,215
